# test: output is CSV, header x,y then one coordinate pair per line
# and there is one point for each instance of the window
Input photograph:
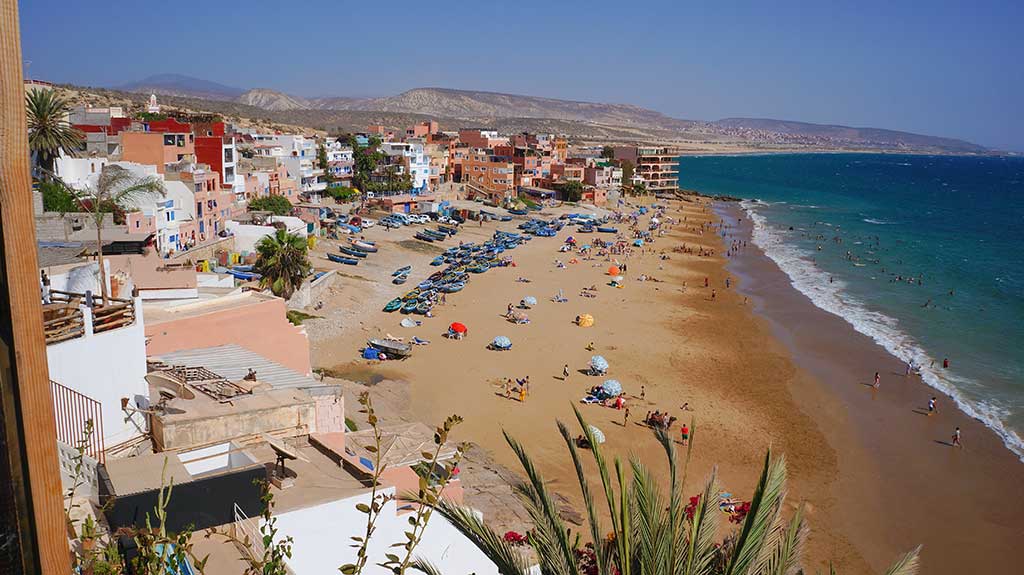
x,y
137,223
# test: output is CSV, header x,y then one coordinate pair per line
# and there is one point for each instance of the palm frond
x,y
423,566
593,521
557,556
49,133
907,565
781,554
609,492
652,527
764,509
508,560
700,549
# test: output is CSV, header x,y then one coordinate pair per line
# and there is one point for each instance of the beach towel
x,y
418,341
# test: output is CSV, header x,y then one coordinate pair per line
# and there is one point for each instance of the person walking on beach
x,y
956,439
932,407
878,381
522,394
625,418
713,294
684,433
945,363
643,392
565,372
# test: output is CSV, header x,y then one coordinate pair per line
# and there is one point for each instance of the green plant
x,y
160,552
608,152
117,190
351,425
49,133
296,317
281,261
279,205
56,197
377,500
572,191
342,193
651,531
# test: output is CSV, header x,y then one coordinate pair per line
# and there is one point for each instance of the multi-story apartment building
x,y
603,175
527,162
157,148
414,161
214,205
657,165
477,138
492,175
340,161
219,151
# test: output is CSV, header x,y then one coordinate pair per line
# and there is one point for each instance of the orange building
x,y
157,149
494,175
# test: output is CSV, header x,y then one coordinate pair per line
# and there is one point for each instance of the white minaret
x,y
153,107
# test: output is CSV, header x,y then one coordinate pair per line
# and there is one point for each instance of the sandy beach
x,y
875,481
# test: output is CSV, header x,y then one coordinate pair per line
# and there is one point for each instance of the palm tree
x,y
282,262
651,531
49,132
117,189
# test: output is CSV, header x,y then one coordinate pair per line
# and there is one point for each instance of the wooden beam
x,y
34,401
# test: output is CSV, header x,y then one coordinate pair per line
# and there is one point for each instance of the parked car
x,y
419,218
368,223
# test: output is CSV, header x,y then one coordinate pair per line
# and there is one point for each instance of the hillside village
x,y
169,351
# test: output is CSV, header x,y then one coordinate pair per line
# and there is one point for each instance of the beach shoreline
x,y
893,455
751,388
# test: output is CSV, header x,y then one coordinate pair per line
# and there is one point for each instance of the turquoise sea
x,y
925,255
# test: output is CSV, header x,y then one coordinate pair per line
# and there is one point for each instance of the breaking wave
x,y
808,279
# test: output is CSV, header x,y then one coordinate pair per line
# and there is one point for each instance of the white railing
x,y
247,530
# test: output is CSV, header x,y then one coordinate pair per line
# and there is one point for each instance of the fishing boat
x,y
448,230
479,268
352,252
364,246
242,267
424,307
425,285
391,347
393,305
453,287
423,237
400,271
435,234
437,261
342,260
243,275
409,306
399,280
605,230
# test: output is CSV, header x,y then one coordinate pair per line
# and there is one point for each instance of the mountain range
x,y
492,107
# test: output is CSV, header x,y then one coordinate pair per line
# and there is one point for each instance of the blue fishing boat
x,y
399,280
393,305
403,270
352,252
409,307
605,230
342,260
423,237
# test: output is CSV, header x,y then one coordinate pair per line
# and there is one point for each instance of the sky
x,y
935,67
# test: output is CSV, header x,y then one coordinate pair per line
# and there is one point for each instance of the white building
x,y
317,531
298,155
414,160
79,173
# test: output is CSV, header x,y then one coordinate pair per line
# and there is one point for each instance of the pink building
x,y
252,320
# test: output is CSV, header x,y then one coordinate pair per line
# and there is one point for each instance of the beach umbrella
x,y
618,279
612,387
597,433
406,322
585,320
530,300
458,327
502,342
599,363
613,271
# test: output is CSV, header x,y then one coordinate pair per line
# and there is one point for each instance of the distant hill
x,y
621,122
869,137
180,85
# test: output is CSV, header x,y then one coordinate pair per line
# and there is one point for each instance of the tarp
x,y
370,353
458,328
585,320
406,322
599,363
612,387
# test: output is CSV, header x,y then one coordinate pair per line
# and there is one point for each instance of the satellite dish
x,y
162,383
283,450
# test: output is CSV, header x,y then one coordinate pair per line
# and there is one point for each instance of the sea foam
x,y
808,279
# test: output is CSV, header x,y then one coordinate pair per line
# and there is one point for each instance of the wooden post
x,y
33,404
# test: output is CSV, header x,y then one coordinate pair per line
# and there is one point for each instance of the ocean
x,y
923,254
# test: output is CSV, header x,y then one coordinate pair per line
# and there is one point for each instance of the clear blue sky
x,y
937,67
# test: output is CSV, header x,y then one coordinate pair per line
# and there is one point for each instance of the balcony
x,y
67,317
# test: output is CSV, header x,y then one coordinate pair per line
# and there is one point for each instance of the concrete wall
x,y
289,412
154,277
206,251
312,291
106,367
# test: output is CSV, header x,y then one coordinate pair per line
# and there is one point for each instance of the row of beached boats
x,y
463,261
439,235
353,252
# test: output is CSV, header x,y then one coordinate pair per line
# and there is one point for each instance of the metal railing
x,y
247,531
72,412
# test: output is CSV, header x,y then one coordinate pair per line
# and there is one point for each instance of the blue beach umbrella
x,y
612,387
599,363
502,342
530,300
598,434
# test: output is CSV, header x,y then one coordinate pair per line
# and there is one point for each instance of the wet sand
x,y
900,480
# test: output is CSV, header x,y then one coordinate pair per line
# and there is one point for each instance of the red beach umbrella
x,y
613,271
458,327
